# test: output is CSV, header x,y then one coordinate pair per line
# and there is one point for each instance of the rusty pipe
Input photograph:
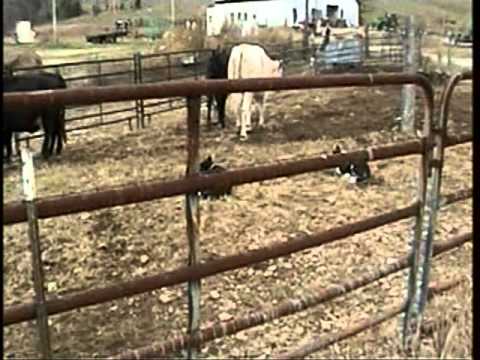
x,y
321,342
93,95
52,206
24,312
445,100
14,212
460,195
287,307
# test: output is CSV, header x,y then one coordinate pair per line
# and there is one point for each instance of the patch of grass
x,y
51,45
431,12
9,188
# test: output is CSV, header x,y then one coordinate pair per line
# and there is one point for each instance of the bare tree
x,y
111,5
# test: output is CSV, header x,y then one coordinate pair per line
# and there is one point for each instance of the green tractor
x,y
388,22
461,38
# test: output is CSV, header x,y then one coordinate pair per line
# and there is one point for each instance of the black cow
x,y
208,167
217,68
356,171
51,118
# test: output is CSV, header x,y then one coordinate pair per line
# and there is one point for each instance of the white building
x,y
248,14
24,33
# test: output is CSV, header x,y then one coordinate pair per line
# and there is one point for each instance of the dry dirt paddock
x,y
102,247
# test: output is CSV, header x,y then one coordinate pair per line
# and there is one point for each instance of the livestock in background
x,y
356,171
208,167
51,118
217,69
250,61
25,59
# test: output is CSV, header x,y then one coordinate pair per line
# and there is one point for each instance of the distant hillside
x,y
39,11
432,12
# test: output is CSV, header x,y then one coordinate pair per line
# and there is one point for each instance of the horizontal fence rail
x,y
93,95
287,307
324,341
19,313
14,212
135,193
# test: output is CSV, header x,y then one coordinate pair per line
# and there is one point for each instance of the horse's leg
x,y
261,101
59,144
45,145
61,131
51,145
209,110
221,99
245,115
47,134
16,137
8,145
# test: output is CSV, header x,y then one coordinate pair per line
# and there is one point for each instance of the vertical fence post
x,y
195,66
367,41
419,43
169,77
135,81
408,91
140,81
138,110
100,82
28,180
449,56
192,212
433,180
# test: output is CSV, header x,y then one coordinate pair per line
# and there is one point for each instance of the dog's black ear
x,y
337,149
205,164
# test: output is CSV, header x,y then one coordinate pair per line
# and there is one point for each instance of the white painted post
x,y
29,190
54,19
172,12
192,212
410,64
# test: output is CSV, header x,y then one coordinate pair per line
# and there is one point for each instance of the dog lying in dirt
x,y
354,171
208,167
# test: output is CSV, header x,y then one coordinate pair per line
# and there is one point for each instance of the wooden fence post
x,y
28,180
100,83
410,64
192,212
169,77
367,41
139,107
140,80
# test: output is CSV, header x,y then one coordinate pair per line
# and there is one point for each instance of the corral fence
x,y
374,51
424,208
187,64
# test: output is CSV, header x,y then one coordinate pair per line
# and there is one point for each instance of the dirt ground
x,y
94,249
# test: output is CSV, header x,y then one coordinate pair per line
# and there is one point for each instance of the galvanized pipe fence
x,y
422,208
147,68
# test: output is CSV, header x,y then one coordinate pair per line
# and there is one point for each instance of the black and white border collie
x,y
208,167
355,172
